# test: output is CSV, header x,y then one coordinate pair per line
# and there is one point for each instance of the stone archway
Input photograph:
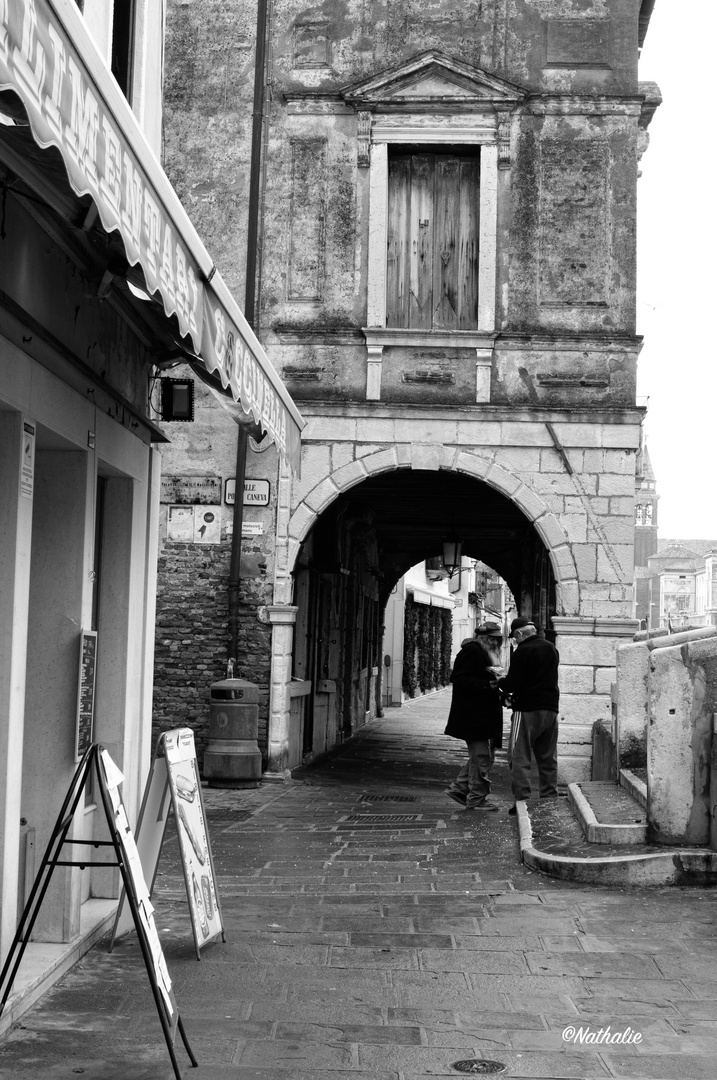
x,y
434,458
293,529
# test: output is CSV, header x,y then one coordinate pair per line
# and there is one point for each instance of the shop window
x,y
432,261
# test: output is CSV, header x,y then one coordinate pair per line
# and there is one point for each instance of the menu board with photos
x,y
186,791
86,693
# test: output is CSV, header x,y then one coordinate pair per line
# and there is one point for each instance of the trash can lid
x,y
226,689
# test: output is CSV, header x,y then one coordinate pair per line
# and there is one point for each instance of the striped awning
x,y
72,102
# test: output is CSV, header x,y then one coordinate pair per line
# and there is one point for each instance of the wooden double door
x,y
433,220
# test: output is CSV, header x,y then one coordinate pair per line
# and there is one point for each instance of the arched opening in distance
x,y
358,548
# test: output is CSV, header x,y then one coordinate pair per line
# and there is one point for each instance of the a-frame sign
x,y
174,783
98,763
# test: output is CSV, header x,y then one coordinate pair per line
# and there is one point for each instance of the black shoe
x,y
456,796
513,810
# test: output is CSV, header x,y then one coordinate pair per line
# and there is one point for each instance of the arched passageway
x,y
359,546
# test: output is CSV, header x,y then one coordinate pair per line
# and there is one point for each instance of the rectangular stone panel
x,y
573,220
577,43
308,217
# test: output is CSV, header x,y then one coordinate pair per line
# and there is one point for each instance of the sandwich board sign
x,y
98,772
174,783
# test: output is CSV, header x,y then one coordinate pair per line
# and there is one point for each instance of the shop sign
x,y
185,787
27,465
84,727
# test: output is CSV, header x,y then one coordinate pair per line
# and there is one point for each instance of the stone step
x,y
608,813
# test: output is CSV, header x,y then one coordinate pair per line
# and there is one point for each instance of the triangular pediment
x,y
433,78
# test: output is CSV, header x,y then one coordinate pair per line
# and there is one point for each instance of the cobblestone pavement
x,y
374,929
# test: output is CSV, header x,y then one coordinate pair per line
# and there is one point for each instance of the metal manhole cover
x,y
374,819
476,1067
388,798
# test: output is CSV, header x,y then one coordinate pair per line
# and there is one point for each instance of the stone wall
x,y
666,700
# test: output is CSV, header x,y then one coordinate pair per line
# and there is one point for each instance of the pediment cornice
x,y
434,80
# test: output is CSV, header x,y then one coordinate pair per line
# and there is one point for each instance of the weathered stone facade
x,y
519,399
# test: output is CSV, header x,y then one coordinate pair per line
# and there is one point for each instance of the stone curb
x,y
597,832
677,866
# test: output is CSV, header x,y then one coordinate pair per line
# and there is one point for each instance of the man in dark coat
x,y
532,684
476,716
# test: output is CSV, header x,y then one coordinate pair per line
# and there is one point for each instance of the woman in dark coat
x,y
476,716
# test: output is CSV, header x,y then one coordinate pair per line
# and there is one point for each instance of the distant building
x,y
475,595
675,583
683,584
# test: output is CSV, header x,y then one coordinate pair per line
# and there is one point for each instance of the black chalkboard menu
x,y
86,692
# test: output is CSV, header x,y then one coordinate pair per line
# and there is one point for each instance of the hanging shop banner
x,y
48,58
186,791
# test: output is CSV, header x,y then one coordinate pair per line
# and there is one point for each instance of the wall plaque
x,y
191,490
577,43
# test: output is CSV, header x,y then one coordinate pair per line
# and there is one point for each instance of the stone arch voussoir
x,y
536,510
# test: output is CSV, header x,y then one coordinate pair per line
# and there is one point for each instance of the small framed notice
x,y
86,693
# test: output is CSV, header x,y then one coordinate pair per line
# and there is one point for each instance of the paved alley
x,y
376,930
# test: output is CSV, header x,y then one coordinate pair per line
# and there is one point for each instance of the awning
x,y
422,596
48,58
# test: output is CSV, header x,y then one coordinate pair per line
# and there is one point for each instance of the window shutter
x,y
399,241
432,268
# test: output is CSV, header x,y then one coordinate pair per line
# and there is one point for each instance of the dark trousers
x,y
472,781
537,732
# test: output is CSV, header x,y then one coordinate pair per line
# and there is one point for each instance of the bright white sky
x,y
677,256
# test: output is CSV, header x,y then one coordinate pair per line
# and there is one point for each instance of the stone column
x,y
282,618
587,650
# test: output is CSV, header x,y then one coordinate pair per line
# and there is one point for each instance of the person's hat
x,y
492,629
519,623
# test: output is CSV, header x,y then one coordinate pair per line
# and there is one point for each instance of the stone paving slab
x,y
373,952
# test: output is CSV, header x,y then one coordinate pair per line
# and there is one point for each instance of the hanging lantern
x,y
451,555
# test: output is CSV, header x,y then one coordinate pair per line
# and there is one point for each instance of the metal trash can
x,y
232,758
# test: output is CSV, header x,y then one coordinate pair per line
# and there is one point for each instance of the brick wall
x,y
191,647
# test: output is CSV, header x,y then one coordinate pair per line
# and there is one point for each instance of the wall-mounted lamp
x,y
177,400
451,555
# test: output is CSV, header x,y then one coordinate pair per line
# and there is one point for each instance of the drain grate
x,y
388,798
476,1067
375,819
